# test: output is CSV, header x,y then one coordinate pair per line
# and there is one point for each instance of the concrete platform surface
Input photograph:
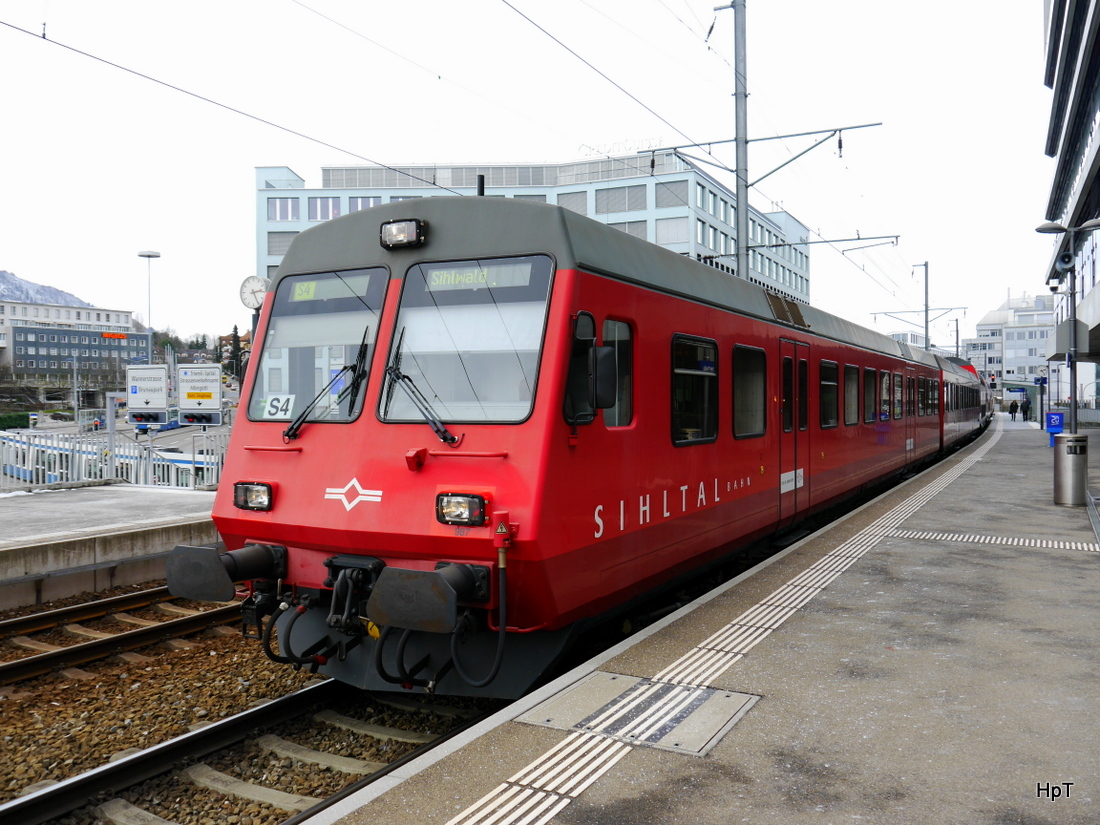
x,y
932,658
51,515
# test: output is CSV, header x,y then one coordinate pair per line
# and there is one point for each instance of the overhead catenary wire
x,y
217,103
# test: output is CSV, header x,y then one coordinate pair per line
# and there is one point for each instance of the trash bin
x,y
1071,463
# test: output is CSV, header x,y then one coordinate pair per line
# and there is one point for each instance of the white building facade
x,y
660,197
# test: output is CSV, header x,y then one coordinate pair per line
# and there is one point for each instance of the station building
x,y
1072,72
659,196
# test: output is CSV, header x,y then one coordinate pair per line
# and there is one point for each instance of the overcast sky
x,y
99,163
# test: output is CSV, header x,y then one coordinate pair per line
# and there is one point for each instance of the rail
x,y
43,663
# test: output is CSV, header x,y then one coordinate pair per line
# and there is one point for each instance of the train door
x,y
794,435
910,412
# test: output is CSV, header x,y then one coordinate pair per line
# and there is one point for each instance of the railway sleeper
x,y
300,753
206,777
120,812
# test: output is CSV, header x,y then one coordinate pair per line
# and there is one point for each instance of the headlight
x,y
458,508
251,495
409,232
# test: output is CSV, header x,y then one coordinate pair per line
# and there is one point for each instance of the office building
x,y
661,197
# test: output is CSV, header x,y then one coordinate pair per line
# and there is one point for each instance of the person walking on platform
x,y
1012,408
1025,408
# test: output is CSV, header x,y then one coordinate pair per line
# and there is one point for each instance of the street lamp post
x,y
148,255
1069,268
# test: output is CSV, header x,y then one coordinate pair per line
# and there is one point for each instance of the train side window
x,y
788,395
899,391
934,396
851,394
829,394
803,394
870,402
694,390
884,396
616,335
922,394
749,392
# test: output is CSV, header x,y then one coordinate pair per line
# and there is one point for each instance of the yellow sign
x,y
200,395
304,291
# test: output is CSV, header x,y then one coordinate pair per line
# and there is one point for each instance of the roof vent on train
x,y
785,311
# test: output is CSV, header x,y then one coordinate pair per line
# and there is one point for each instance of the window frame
x,y
823,404
760,412
870,404
708,434
851,404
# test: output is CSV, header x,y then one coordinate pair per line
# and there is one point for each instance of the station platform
x,y
55,543
932,657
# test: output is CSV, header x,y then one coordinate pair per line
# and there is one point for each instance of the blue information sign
x,y
1055,422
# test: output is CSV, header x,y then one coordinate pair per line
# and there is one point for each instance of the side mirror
x,y
590,384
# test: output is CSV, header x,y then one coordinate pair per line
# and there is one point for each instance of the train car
x,y
475,426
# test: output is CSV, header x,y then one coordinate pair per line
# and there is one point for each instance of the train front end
x,y
384,464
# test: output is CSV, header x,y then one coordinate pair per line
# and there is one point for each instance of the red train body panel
x,y
605,417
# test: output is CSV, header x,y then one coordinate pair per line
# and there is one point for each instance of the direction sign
x,y
200,394
200,387
147,388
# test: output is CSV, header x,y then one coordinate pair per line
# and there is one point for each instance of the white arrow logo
x,y
341,494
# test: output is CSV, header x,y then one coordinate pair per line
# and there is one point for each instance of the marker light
x,y
410,232
251,495
456,508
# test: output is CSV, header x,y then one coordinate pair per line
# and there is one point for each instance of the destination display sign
x,y
477,277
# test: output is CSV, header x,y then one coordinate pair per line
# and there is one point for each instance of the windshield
x,y
322,327
468,336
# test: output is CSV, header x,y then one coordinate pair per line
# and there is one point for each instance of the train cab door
x,y
794,433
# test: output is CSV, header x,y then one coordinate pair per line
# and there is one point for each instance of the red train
x,y
475,426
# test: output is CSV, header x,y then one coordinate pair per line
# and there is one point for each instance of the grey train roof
x,y
470,227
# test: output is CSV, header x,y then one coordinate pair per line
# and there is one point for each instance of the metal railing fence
x,y
30,460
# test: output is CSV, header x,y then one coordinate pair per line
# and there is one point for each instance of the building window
x,y
574,202
358,204
620,199
324,209
672,230
535,198
694,390
279,242
750,403
616,334
282,209
673,193
635,228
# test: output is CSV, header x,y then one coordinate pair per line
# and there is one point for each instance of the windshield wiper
x,y
360,372
423,406
291,432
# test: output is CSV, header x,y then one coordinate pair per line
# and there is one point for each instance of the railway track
x,y
49,658
115,792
